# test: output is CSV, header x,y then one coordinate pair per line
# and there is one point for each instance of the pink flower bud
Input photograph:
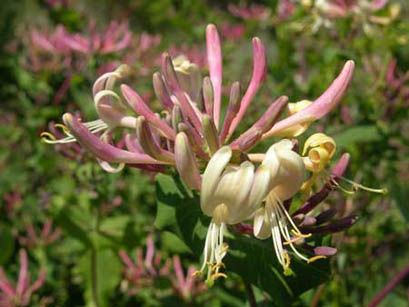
x,y
214,58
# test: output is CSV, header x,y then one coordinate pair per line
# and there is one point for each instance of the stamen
x,y
299,234
287,261
315,258
63,127
217,275
292,240
355,186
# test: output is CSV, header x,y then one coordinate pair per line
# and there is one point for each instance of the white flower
x,y
287,172
229,194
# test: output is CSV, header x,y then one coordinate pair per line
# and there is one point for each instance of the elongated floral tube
x,y
161,91
214,58
210,134
264,124
140,107
320,107
233,108
259,73
148,143
173,82
23,280
335,226
207,93
195,139
186,162
100,149
325,251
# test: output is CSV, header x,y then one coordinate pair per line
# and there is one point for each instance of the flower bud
x,y
186,162
149,144
210,134
161,91
208,96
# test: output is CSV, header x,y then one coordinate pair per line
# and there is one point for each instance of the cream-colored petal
x,y
261,225
234,188
259,190
211,177
291,174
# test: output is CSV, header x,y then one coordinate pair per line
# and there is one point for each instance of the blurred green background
x,y
97,215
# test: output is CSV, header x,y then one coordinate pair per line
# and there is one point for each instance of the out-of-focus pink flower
x,y
285,9
20,294
232,32
187,287
254,11
142,272
45,237
13,201
54,3
51,41
114,38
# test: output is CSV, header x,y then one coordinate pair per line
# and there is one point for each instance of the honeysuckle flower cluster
x,y
20,293
235,183
43,238
362,11
144,270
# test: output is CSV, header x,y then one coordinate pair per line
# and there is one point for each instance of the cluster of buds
x,y
362,11
252,12
236,185
58,3
44,238
187,286
20,295
144,270
62,49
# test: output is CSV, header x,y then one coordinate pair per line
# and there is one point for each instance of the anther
x,y
312,259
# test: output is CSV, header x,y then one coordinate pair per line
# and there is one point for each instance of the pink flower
x,y
114,38
45,237
142,272
232,32
20,295
187,287
191,111
254,11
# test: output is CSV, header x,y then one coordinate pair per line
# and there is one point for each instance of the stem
x,y
250,294
94,264
317,295
94,280
389,287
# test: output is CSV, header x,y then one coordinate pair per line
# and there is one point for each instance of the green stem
x,y
94,264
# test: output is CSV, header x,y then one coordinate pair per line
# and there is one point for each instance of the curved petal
x,y
211,177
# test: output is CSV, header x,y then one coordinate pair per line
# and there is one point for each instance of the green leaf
x,y
400,195
73,229
356,135
101,270
7,244
252,259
